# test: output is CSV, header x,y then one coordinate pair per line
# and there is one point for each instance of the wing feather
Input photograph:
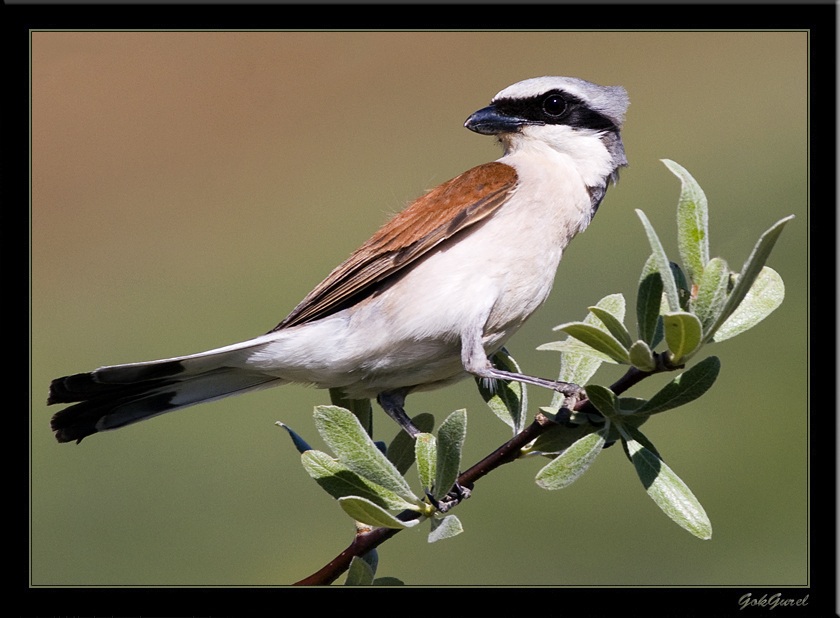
x,y
441,213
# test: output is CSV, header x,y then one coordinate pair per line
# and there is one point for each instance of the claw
x,y
572,393
432,500
453,498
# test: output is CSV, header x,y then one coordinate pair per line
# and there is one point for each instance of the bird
x,y
430,297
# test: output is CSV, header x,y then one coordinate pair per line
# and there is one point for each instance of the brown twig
x,y
367,539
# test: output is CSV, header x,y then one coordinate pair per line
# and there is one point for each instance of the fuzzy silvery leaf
x,y
340,481
567,467
613,325
685,388
692,222
425,449
577,366
749,273
507,399
361,408
668,491
629,428
388,581
712,292
641,356
683,287
352,445
648,303
764,297
683,334
663,265
400,451
571,348
614,303
629,405
621,424
603,399
579,362
597,338
371,558
367,512
445,528
359,573
451,437
558,438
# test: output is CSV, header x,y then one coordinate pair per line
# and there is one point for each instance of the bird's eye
x,y
554,105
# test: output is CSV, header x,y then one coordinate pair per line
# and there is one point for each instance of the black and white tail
x,y
119,395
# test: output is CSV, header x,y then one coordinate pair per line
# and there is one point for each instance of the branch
x,y
367,539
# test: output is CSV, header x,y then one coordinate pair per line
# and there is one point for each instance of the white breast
x,y
498,273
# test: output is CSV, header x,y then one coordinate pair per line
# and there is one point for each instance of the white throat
x,y
584,148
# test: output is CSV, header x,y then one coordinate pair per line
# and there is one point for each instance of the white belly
x,y
493,277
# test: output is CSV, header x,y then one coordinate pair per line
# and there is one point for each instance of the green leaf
x,y
567,467
663,265
683,289
641,356
343,432
603,399
614,303
367,512
451,437
570,348
619,427
629,405
692,222
764,297
445,528
340,481
371,558
359,573
300,444
507,399
361,408
579,362
749,273
558,438
628,428
388,581
648,302
425,447
668,491
685,388
614,325
712,292
598,339
401,449
683,334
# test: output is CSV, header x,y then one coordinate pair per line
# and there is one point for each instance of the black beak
x,y
490,121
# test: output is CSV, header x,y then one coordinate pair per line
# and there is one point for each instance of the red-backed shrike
x,y
429,297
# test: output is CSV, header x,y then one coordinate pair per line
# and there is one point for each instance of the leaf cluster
x,y
368,480
680,308
685,307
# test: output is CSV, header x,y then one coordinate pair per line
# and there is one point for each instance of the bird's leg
x,y
392,402
475,361
566,388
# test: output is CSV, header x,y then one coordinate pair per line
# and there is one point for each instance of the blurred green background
x,y
190,188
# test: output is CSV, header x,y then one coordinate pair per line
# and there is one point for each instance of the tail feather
x,y
119,395
83,386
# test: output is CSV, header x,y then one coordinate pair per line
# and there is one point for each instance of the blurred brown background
x,y
188,190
